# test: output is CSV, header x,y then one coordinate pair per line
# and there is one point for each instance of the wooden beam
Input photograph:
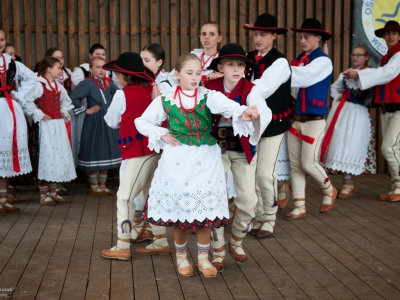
x,y
28,38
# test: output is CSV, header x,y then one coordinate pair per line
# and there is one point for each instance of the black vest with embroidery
x,y
279,101
10,77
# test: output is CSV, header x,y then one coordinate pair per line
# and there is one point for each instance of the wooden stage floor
x,y
352,252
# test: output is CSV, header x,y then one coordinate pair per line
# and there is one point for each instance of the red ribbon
x,y
329,132
305,138
258,57
4,88
68,127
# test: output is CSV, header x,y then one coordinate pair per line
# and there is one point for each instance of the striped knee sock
x,y
3,196
181,255
102,179
93,181
202,255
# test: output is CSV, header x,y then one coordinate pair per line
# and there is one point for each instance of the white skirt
x,y
283,164
56,163
6,140
348,148
189,184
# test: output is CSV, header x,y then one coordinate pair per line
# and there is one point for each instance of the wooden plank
x,y
102,21
132,25
203,11
92,24
337,39
123,27
163,33
262,9
281,17
72,59
49,24
153,21
16,26
27,31
174,53
272,7
192,24
319,10
252,19
213,11
5,24
309,9
327,23
183,33
38,31
232,22
112,47
143,24
81,34
222,20
242,21
347,19
60,26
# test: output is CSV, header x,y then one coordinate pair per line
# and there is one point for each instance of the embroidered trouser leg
x,y
391,142
136,178
266,180
304,157
246,200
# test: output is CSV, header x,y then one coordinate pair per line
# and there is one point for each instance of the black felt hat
x,y
266,22
313,26
130,63
233,52
390,25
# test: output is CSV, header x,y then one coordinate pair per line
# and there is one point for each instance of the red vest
x,y
49,103
131,142
238,94
389,92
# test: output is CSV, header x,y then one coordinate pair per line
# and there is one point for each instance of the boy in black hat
x,y
237,152
274,66
386,78
311,78
127,105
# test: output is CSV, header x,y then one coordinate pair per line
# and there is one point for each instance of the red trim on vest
x,y
303,60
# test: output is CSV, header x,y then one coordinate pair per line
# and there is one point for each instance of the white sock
x,y
181,255
202,254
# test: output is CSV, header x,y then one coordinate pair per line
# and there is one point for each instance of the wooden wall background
x,y
128,25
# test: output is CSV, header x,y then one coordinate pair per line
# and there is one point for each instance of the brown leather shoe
x,y
47,200
300,207
153,250
394,197
253,230
347,191
10,198
115,253
285,189
98,192
104,188
144,234
62,191
384,197
207,272
13,189
59,199
325,208
9,208
2,210
263,233
218,265
239,258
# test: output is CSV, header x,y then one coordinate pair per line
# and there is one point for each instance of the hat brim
x,y
325,35
146,75
278,30
380,32
216,61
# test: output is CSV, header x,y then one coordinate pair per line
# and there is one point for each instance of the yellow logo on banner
x,y
375,14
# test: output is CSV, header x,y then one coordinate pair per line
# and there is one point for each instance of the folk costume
x,y
311,75
348,132
127,105
55,162
274,66
238,155
13,128
386,78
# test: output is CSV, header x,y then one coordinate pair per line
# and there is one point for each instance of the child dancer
x,y
55,156
138,161
238,153
348,128
13,129
10,50
311,74
98,151
188,190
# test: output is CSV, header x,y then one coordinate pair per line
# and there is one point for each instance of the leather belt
x,y
306,117
227,140
390,108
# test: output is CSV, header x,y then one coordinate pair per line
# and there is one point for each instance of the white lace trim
x,y
351,83
241,127
187,101
155,141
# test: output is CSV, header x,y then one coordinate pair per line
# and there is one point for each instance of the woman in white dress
x,y
348,130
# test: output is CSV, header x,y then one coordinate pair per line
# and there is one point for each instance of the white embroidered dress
x,y
348,148
28,80
56,163
189,182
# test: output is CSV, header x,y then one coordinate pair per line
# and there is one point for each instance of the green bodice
x,y
190,128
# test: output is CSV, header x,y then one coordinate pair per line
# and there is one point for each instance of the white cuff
x,y
38,115
66,114
240,126
155,141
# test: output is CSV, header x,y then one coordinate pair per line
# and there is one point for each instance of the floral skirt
x,y
194,225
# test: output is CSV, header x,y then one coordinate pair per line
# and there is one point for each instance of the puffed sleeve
x,y
116,109
337,87
77,76
149,124
218,103
316,71
77,95
30,108
28,81
66,103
